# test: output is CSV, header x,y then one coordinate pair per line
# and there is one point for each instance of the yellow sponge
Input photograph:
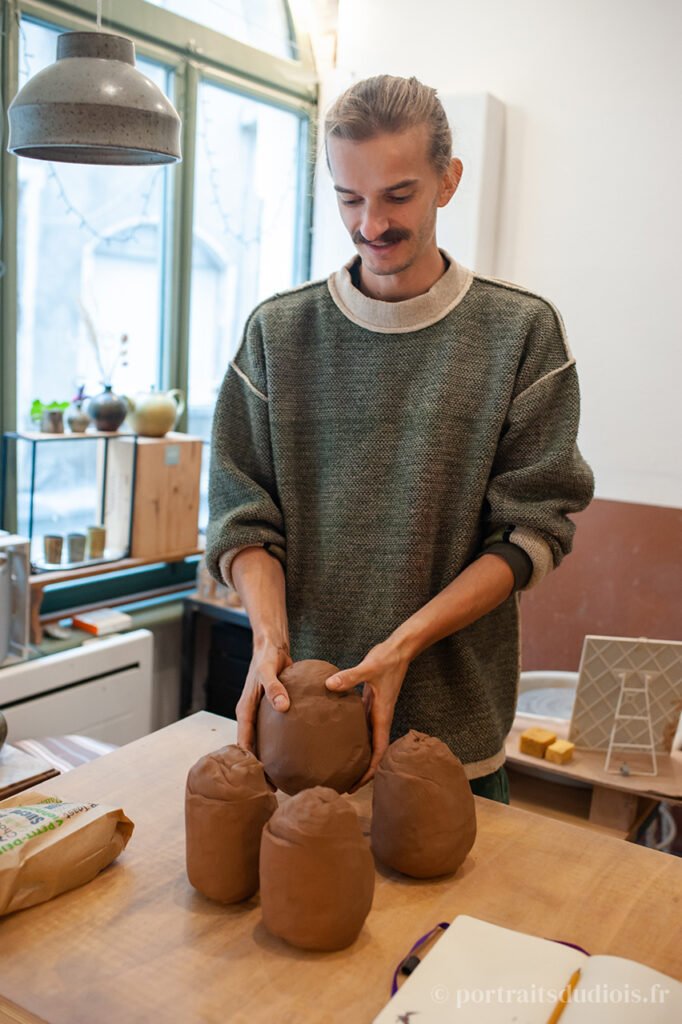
x,y
535,741
560,752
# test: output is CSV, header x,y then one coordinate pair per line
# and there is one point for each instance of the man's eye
x,y
399,199
350,202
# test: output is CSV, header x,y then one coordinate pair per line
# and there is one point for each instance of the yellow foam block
x,y
535,741
560,752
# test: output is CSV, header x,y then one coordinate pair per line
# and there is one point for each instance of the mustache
x,y
394,235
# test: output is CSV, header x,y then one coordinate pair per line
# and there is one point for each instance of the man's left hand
x,y
382,672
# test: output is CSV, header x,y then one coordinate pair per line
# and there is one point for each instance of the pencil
x,y
564,998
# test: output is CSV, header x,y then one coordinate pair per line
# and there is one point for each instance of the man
x,y
394,455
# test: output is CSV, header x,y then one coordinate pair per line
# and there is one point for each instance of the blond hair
x,y
386,103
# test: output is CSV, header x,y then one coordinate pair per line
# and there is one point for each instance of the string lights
x,y
205,123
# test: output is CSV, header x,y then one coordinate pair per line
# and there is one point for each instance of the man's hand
x,y
259,581
478,589
267,662
382,671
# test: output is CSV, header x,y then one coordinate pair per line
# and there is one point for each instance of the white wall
x,y
591,201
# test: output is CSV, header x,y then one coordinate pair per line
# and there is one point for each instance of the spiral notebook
x,y
480,973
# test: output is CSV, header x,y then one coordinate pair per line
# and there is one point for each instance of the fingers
x,y
347,679
377,754
367,699
381,731
380,717
371,771
367,777
276,693
261,679
246,728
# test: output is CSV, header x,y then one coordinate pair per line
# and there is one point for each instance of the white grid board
x,y
604,659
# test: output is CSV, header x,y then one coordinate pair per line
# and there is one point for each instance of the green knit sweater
x,y
376,448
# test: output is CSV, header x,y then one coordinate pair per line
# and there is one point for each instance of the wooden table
x,y
139,945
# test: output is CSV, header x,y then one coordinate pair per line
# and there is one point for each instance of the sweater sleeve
x,y
539,475
243,502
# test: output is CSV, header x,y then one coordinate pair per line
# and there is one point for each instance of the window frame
x,y
192,53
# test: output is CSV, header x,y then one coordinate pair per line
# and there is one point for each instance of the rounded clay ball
x,y
322,740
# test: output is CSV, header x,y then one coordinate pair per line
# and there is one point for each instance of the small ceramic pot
x,y
52,421
108,410
78,419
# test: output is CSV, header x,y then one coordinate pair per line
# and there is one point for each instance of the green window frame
x,y
191,52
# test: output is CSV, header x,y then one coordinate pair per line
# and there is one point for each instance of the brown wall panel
x,y
623,578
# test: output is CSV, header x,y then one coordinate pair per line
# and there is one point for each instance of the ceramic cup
x,y
53,543
75,546
94,547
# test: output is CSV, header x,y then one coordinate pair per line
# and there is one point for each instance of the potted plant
x,y
50,416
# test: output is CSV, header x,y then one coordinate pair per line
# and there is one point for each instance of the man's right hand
x,y
266,664
259,581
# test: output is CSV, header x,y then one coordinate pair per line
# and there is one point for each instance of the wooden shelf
x,y
66,435
38,581
43,579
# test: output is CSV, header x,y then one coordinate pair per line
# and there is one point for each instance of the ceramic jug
x,y
107,410
154,413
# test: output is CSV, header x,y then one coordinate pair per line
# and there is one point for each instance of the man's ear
x,y
450,182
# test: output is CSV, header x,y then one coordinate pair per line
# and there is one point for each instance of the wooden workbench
x,y
139,945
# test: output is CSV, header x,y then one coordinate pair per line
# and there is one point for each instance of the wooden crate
x,y
165,499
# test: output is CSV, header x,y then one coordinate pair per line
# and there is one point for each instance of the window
x,y
172,258
90,241
245,229
260,23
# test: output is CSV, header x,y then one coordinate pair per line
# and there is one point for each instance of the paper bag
x,y
48,846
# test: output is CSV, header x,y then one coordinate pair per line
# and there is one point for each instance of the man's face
x,y
388,194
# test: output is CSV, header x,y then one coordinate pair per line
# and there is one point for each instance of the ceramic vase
x,y
108,410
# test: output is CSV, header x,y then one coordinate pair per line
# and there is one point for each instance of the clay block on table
x,y
560,752
534,741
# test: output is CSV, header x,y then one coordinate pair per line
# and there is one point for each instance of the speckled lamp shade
x,y
94,107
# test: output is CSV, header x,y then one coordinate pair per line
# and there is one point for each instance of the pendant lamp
x,y
94,107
